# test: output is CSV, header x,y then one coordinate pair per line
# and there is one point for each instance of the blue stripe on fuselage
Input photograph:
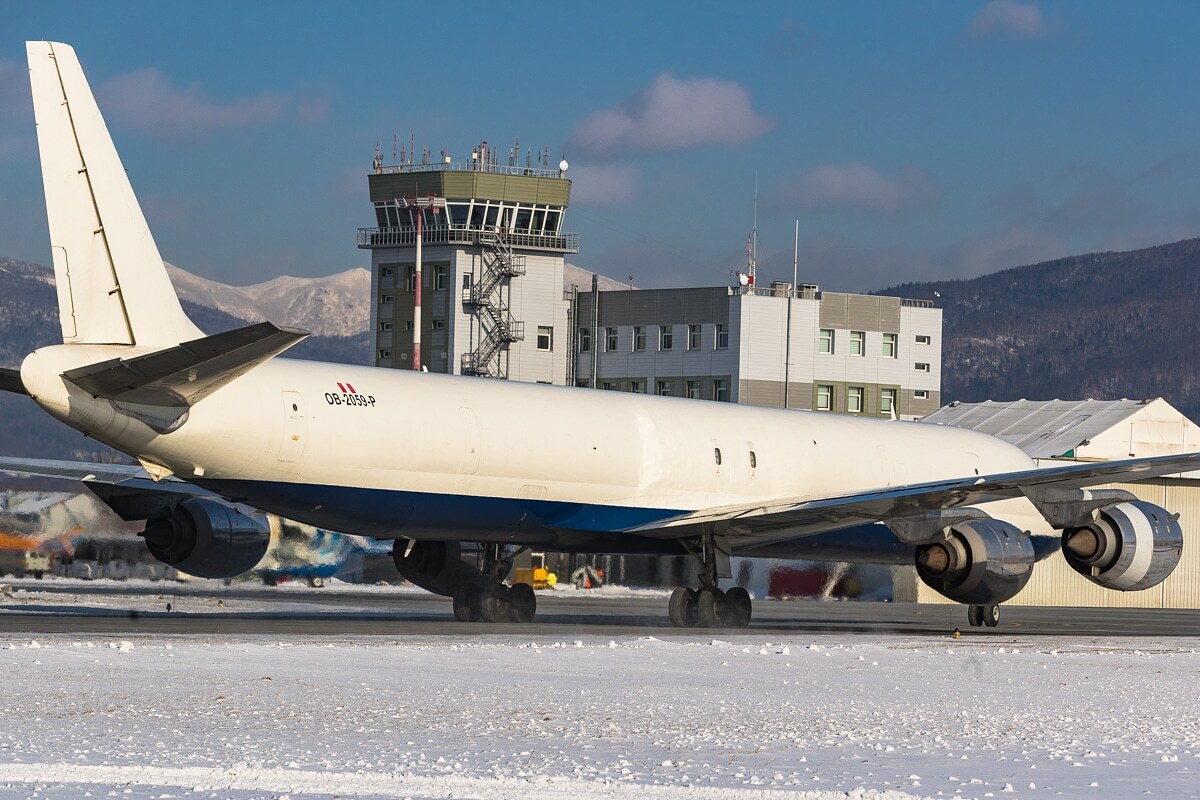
x,y
386,513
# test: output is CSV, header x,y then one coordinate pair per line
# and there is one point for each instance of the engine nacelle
x,y
208,539
1127,547
434,566
980,562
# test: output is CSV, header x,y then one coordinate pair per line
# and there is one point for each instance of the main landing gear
x,y
709,606
980,616
489,599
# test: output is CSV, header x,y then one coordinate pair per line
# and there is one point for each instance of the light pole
x,y
416,208
787,346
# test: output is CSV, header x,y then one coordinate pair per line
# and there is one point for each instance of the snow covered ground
x,y
678,717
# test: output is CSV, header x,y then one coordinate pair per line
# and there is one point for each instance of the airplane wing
x,y
128,477
183,375
756,524
10,381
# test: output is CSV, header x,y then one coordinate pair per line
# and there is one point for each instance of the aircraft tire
x,y
681,599
975,616
990,615
522,603
495,603
737,608
708,606
468,603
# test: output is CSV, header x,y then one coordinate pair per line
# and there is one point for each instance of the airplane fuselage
x,y
390,453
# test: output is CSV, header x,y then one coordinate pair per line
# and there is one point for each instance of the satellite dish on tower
x,y
743,278
563,165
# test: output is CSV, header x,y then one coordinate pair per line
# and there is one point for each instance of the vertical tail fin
x,y
112,285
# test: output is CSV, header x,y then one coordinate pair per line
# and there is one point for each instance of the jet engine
x,y
982,561
207,539
434,566
1128,546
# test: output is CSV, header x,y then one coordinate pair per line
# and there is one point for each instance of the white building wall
x,y
536,298
916,322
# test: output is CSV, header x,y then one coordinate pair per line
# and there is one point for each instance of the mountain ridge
x,y
1104,325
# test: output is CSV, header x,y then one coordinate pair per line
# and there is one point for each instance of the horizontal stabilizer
x,y
10,381
183,375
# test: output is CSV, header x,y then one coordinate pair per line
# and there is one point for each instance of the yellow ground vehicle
x,y
536,575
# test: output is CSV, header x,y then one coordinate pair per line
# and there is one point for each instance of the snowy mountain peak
x,y
335,305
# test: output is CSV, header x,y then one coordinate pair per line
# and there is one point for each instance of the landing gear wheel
x,y
708,606
467,603
495,603
522,603
991,615
737,609
682,608
975,616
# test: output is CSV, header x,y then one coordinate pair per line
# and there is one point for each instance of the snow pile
x,y
684,717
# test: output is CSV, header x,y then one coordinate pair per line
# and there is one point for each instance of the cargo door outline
x,y
295,428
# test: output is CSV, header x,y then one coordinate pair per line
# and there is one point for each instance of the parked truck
x,y
20,563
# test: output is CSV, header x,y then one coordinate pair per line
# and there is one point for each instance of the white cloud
x,y
602,185
1008,18
671,115
148,102
856,187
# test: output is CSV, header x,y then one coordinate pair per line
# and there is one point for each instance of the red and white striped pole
x,y
416,207
419,213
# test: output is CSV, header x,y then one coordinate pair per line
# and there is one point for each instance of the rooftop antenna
x,y
395,142
377,162
753,265
413,148
787,349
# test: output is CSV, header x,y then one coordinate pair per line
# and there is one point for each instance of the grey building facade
x,y
843,353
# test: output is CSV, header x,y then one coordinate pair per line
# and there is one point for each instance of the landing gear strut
x,y
979,616
709,606
489,599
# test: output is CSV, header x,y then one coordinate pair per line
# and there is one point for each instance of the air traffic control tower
x,y
491,262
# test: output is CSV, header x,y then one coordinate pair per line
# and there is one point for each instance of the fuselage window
x,y
717,455
753,460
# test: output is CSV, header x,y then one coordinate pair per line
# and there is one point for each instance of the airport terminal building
x,y
492,259
493,303
776,347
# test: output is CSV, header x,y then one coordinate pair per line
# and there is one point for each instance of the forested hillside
x,y
1104,325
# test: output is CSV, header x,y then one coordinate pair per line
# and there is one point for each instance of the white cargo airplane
x,y
222,425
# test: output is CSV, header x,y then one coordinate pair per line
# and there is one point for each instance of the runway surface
x,y
114,608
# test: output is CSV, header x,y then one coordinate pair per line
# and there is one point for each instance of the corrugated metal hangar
x,y
1054,431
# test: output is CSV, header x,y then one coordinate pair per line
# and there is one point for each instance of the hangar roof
x,y
1042,428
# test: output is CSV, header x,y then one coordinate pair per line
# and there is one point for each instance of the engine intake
x,y
207,539
983,561
1128,546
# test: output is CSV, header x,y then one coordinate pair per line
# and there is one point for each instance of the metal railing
x,y
473,166
815,294
497,327
801,293
464,234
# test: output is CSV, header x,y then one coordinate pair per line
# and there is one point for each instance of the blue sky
x,y
911,140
